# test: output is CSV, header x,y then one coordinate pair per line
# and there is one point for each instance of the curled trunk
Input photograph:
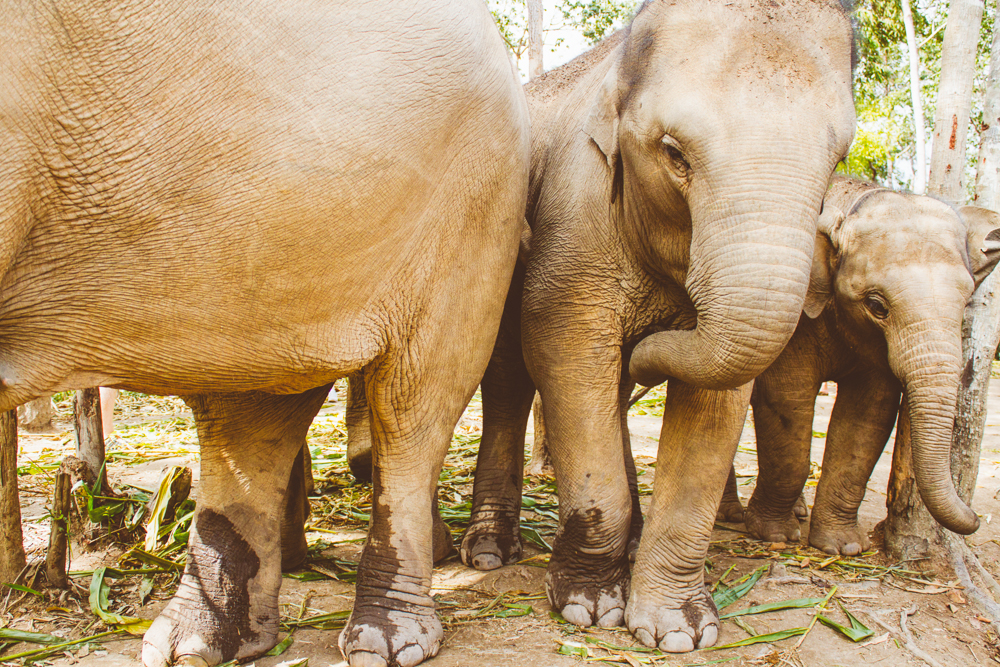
x,y
748,276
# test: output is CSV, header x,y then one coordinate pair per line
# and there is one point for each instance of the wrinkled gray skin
x,y
677,175
892,275
278,194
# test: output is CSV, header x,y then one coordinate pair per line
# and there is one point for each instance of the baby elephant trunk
x,y
929,371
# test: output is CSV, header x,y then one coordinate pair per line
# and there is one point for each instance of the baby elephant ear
x,y
983,240
602,123
824,255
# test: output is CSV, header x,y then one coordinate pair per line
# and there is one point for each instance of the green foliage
x,y
884,145
594,19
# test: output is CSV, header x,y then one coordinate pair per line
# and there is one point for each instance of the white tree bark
x,y
988,166
535,67
920,168
951,120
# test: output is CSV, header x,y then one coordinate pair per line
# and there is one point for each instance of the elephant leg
x,y
860,424
730,509
635,528
588,574
783,409
359,429
415,402
493,537
669,606
226,607
294,515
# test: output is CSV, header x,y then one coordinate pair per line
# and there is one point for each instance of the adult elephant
x,y
240,202
678,171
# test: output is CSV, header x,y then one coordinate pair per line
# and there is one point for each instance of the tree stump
x,y
540,463
12,559
90,432
55,558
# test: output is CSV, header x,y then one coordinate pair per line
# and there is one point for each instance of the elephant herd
x,y
241,202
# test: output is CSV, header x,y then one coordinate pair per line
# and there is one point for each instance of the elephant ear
x,y
983,240
602,122
824,255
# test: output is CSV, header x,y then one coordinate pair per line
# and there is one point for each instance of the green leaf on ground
x,y
282,646
725,594
856,633
29,637
799,603
99,591
763,639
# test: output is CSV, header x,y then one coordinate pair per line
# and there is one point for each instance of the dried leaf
x,y
763,639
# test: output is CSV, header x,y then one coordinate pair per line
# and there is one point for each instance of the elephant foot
x,y
800,509
675,627
771,527
444,546
491,542
587,601
730,511
839,540
378,636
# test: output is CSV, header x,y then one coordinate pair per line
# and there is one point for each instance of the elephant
x,y
239,203
677,174
892,273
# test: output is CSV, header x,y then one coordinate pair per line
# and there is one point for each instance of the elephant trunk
x,y
748,275
929,370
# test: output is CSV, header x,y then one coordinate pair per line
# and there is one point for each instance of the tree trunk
x,y
951,121
920,169
540,463
36,415
12,557
988,166
910,532
90,432
55,558
535,67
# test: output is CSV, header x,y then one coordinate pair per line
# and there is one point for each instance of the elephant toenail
x,y
152,656
410,656
486,562
677,642
366,659
612,619
577,615
191,660
709,635
644,637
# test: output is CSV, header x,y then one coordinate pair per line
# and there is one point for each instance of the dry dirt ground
x,y
501,618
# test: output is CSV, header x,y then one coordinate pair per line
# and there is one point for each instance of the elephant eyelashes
x,y
876,306
675,158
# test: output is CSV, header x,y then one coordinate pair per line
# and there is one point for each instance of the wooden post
x,y
55,558
540,463
90,431
12,559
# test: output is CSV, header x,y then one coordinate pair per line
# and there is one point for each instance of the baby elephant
x,y
891,276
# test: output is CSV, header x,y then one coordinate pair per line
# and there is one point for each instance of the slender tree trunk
x,y
920,168
535,67
90,431
988,166
951,121
910,531
12,558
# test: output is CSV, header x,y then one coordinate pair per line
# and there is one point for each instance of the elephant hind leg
x,y
730,508
493,538
862,419
226,607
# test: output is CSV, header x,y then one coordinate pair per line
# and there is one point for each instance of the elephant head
x,y
900,268
722,123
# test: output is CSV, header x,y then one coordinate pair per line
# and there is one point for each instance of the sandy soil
x,y
944,626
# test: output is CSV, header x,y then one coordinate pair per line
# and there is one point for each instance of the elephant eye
x,y
877,306
675,158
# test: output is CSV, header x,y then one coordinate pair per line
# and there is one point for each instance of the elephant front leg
x,y
669,606
226,607
588,574
860,424
783,408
